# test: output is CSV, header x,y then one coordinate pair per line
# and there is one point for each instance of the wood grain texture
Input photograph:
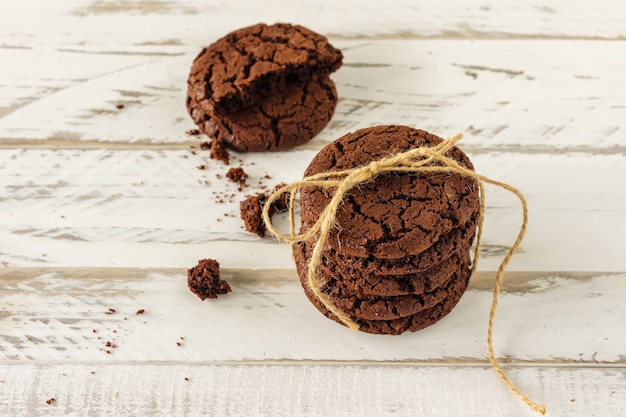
x,y
155,208
317,390
103,208
524,96
63,315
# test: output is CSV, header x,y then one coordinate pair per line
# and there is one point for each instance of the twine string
x,y
418,160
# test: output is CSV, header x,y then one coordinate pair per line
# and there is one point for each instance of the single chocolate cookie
x,y
393,215
285,117
264,88
229,74
410,323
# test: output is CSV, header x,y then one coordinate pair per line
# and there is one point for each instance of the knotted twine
x,y
418,160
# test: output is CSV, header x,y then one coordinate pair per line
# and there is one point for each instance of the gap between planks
x,y
508,363
58,144
514,282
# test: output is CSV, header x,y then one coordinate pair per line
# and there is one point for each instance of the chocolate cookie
x,y
285,118
457,241
371,307
410,323
393,215
387,285
264,87
228,74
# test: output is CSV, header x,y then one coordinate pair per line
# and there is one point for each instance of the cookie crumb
x,y
251,210
193,132
282,203
140,311
219,152
237,175
204,280
119,106
111,311
50,400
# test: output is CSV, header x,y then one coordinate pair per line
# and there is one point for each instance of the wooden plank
x,y
539,97
147,208
64,315
76,24
296,390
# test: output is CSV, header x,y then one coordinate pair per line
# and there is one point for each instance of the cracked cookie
x,y
457,241
371,284
393,215
411,323
389,307
264,88
285,118
398,258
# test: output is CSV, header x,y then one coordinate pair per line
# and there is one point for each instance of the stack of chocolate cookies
x,y
399,257
264,88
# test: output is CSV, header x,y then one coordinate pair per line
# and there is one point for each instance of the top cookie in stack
x,y
264,88
399,258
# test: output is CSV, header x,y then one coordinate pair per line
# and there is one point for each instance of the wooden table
x,y
103,208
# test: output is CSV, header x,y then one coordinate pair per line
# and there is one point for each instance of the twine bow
x,y
418,160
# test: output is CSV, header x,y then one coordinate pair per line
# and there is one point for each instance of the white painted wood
x,y
105,208
298,390
63,315
149,25
518,95
154,208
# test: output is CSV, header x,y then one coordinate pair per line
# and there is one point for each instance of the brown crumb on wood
x,y
140,311
201,167
237,175
281,203
186,379
119,106
251,210
50,400
193,132
204,280
111,311
219,152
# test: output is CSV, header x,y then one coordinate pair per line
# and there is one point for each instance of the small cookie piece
x,y
237,175
251,210
393,215
286,117
219,152
204,280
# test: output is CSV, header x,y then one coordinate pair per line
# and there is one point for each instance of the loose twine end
x,y
418,160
